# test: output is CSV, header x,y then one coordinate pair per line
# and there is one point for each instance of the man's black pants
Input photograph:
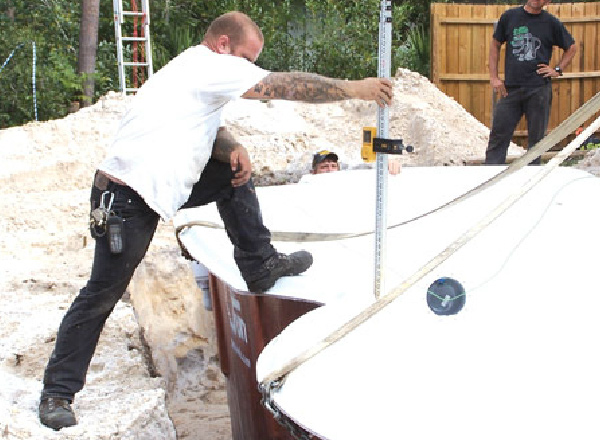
x,y
534,103
81,326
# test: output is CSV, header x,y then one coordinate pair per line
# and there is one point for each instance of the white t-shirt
x,y
165,140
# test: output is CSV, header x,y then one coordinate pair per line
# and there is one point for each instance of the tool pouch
x,y
114,233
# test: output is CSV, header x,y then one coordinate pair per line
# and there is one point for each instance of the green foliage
x,y
58,82
337,38
409,14
107,76
177,40
194,17
415,53
52,26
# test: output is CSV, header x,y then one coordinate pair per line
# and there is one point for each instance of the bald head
x,y
237,26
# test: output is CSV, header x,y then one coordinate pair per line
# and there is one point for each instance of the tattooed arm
x,y
310,87
227,149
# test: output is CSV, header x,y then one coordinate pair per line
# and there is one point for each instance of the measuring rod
x,y
383,70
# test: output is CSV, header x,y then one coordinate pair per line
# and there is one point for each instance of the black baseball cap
x,y
322,155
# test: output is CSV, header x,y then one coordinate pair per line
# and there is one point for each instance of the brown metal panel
x,y
219,324
245,324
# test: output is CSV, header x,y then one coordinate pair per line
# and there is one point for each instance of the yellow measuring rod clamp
x,y
366,152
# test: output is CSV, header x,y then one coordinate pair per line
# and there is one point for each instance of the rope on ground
x,y
278,375
560,132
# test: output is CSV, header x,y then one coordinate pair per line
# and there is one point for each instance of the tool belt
x,y
103,180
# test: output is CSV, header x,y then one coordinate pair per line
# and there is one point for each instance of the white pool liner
x,y
519,361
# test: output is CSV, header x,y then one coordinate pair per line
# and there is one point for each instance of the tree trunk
x,y
88,44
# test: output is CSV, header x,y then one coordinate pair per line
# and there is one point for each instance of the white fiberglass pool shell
x,y
519,361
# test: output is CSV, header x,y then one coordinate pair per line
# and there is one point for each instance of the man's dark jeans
x,y
534,103
81,326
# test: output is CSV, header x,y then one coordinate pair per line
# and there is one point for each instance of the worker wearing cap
x,y
327,161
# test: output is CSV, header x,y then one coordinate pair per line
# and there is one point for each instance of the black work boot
x,y
277,266
56,413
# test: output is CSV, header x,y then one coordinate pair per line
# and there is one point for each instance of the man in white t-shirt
x,y
170,152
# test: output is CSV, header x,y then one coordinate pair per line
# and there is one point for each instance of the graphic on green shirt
x,y
524,44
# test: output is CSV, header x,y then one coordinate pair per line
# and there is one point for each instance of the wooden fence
x,y
460,39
